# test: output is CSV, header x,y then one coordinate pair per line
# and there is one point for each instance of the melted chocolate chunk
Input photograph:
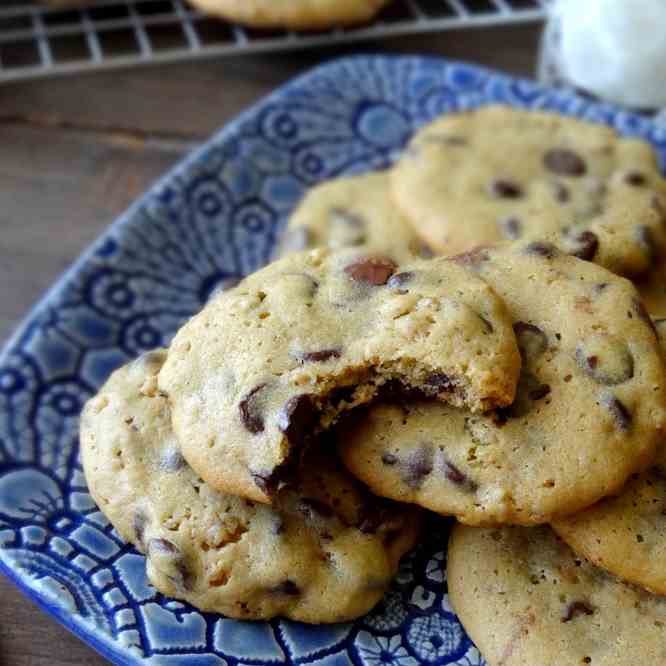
x,y
635,178
564,162
505,189
172,462
619,412
340,395
577,608
287,588
511,227
399,281
539,392
532,341
297,418
437,382
454,475
389,459
251,417
271,481
585,245
310,507
542,249
139,525
319,356
375,271
417,467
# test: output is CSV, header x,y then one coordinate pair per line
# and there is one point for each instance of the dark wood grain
x,y
76,151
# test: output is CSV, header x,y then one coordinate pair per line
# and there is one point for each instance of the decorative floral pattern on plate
x,y
212,219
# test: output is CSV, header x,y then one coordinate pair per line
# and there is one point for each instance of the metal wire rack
x,y
36,40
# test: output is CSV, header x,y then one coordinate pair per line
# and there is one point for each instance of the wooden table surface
x,y
74,152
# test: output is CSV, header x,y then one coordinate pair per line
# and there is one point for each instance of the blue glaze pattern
x,y
213,218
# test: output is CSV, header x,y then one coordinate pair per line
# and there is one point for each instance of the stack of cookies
x,y
277,458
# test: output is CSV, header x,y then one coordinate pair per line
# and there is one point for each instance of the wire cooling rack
x,y
39,41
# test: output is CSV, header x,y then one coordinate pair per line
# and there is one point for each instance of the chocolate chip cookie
x,y
352,212
589,405
293,14
324,552
503,173
267,365
626,534
526,599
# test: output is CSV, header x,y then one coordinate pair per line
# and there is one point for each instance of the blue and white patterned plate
x,y
213,218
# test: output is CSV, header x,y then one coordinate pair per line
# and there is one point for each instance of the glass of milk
x,y
611,49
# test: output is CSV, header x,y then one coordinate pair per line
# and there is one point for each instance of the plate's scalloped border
x,y
550,98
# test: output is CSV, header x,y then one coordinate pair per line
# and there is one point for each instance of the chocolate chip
x,y
168,558
511,227
585,245
389,459
532,341
635,178
564,162
539,392
340,395
310,507
505,189
417,466
601,287
250,415
172,461
454,475
619,412
287,588
561,192
605,359
319,356
437,382
295,240
373,270
297,418
542,249
399,281
577,608
139,525
346,229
